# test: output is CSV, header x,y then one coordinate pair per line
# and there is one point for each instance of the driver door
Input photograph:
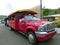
x,y
22,25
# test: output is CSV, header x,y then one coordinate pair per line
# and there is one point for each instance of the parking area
x,y
8,37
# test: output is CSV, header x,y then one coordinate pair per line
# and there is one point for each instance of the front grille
x,y
50,26
50,31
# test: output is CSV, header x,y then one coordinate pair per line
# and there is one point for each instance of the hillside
x,y
2,17
37,8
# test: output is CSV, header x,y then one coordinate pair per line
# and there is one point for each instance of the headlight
x,y
41,29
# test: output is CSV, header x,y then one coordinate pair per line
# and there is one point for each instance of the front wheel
x,y
31,37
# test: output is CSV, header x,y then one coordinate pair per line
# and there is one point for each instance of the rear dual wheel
x,y
12,29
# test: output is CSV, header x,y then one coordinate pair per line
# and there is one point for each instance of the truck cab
x,y
34,28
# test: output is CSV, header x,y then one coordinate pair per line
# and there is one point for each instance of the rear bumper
x,y
42,36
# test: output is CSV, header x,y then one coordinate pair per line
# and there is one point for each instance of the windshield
x,y
30,18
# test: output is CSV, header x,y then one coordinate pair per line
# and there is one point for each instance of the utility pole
x,y
41,12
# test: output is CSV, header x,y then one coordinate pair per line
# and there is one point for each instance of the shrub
x,y
57,23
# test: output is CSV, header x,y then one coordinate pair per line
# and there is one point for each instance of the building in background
x,y
52,17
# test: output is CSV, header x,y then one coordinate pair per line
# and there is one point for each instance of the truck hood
x,y
38,23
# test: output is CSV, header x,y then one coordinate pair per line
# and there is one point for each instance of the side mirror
x,y
22,21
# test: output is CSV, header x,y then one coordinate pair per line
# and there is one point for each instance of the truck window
x,y
9,18
30,18
21,20
12,17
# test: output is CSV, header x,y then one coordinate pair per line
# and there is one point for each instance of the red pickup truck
x,y
34,28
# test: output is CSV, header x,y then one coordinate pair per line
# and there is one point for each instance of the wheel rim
x,y
31,38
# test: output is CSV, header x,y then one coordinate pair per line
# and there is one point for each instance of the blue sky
x,y
9,6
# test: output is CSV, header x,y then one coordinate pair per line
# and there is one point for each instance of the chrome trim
x,y
43,33
46,26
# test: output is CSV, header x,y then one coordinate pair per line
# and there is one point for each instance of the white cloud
x,y
8,6
53,4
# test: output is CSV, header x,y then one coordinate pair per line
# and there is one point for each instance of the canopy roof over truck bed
x,y
24,12
27,11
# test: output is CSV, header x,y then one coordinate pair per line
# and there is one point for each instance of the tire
x,y
12,29
31,37
5,24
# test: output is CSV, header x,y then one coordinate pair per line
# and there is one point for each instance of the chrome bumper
x,y
42,34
